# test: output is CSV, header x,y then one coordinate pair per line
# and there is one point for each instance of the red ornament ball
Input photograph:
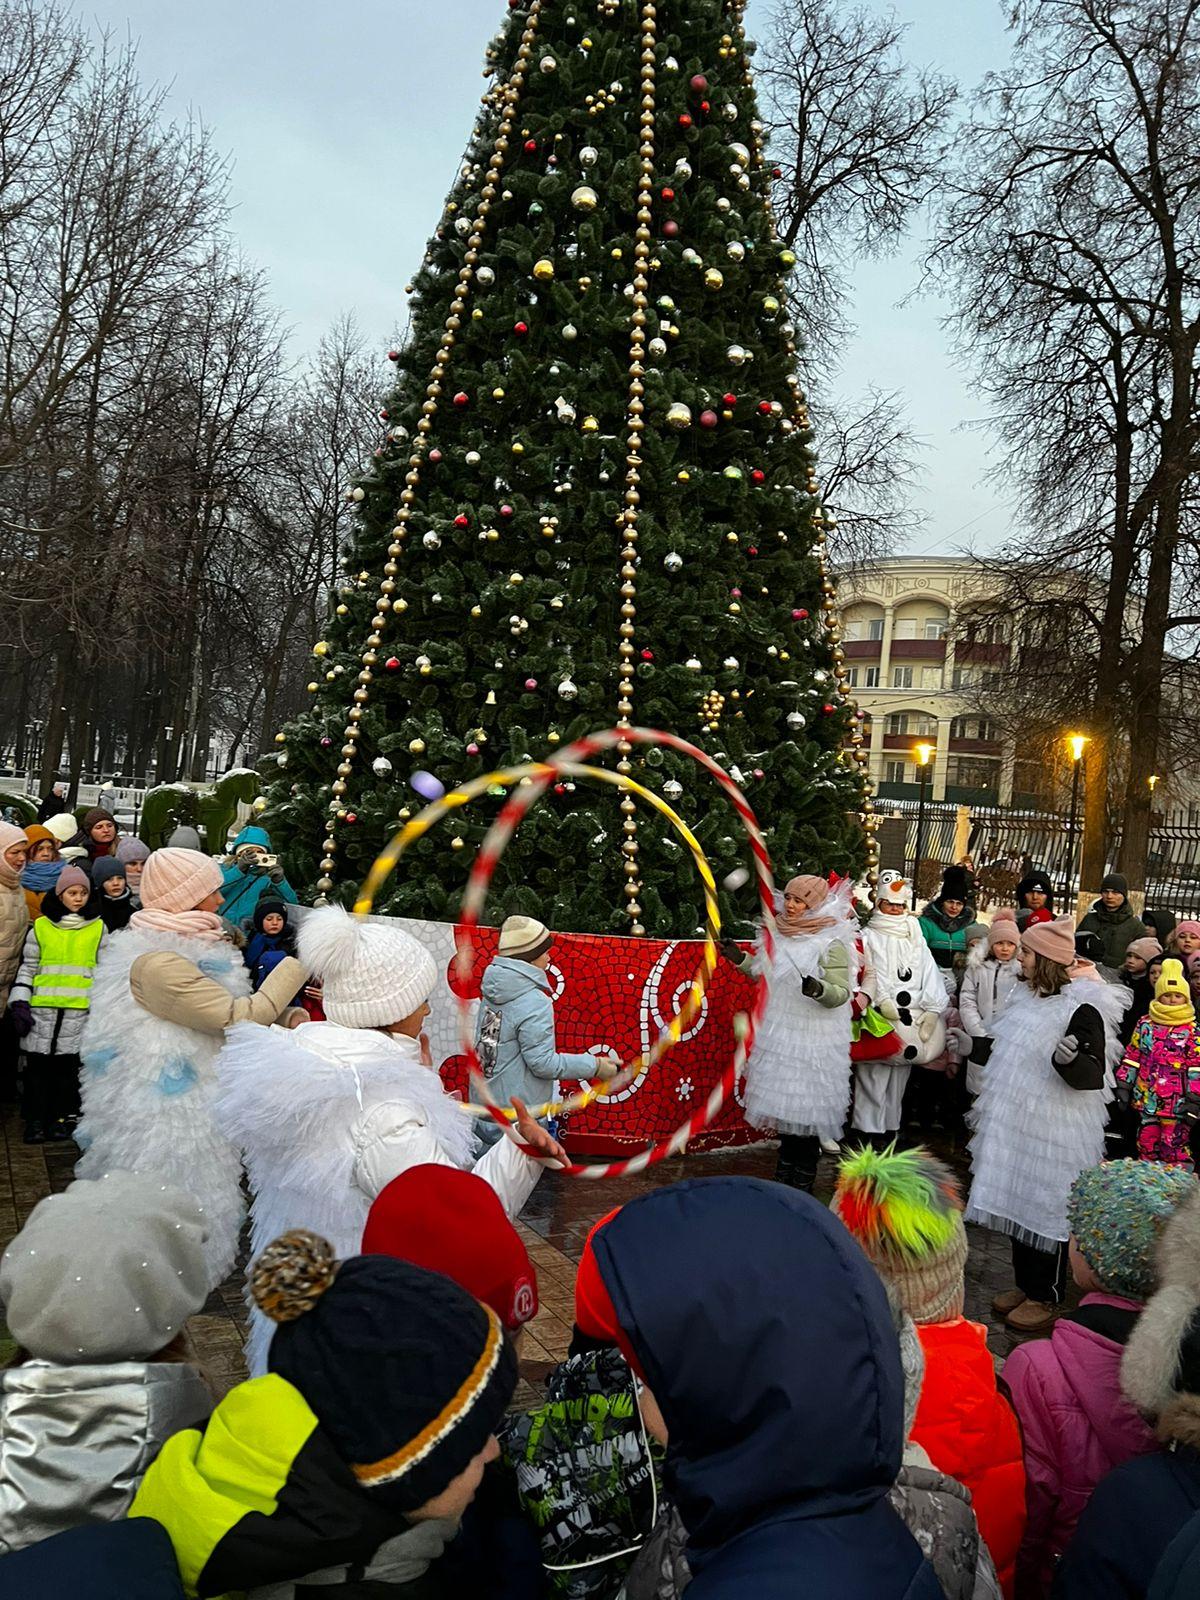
x,y
462,520
522,328
699,84
435,456
764,408
530,146
560,788
759,773
531,683
685,120
668,195
799,614
393,355
326,742
757,475
670,229
729,399
392,664
472,748
708,419
351,817
462,399
828,709
777,172
506,511
753,550
705,107
647,655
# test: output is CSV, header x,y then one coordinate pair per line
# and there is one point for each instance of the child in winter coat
x,y
1113,918
41,869
989,983
514,1029
1035,900
132,855
49,1003
1161,1065
272,940
1041,1113
349,1467
1076,1424
328,1113
1184,941
96,1288
1135,975
1140,1507
116,903
905,1209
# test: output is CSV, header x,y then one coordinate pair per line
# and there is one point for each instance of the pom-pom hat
x,y
371,974
905,1209
408,1374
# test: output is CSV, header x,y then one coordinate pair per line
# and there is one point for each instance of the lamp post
x,y
1075,743
922,754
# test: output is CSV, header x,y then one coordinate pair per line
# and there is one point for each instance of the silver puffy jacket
x,y
75,1442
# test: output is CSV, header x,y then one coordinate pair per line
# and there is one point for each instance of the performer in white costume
x,y
330,1112
165,990
798,1075
1040,1116
909,992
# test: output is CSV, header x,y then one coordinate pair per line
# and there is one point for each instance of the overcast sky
x,y
345,124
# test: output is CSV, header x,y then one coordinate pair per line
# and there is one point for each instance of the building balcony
x,y
968,655
862,649
975,747
906,741
918,649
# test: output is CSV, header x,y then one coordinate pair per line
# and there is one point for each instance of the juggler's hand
x,y
536,1137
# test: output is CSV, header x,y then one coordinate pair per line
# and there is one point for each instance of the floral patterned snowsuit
x,y
1161,1064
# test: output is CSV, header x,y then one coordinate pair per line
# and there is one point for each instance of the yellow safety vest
x,y
64,975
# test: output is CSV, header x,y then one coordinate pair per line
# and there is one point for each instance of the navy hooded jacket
x,y
108,1561
766,1337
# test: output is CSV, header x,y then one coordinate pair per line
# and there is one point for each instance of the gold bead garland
x,y
509,98
821,518
627,523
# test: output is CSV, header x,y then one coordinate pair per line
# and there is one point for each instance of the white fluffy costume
x,y
1033,1133
798,1077
329,1113
166,988
910,990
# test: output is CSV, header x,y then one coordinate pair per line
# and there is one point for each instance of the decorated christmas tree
x,y
595,502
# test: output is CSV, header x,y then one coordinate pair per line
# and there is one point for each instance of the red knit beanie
x,y
452,1222
595,1314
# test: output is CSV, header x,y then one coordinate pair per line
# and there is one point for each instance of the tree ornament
x,y
589,425
770,306
321,648
672,789
531,684
424,666
692,664
729,401
670,229
668,195
731,663
734,473
729,111
381,766
678,416
787,258
472,458
570,332
393,355
724,205
567,690
326,741
392,664
713,279
472,749
506,512
585,198
543,270
698,84
589,156
735,250
431,540
685,120
484,277
758,475
462,399
672,561
828,710
548,64
435,456
799,614
313,687
564,411
530,146
358,495
708,419
520,329
416,746
657,349
737,355
462,520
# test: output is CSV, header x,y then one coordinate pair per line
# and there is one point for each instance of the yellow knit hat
x,y
1171,981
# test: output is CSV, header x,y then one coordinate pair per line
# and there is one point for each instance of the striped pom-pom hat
x,y
905,1209
407,1374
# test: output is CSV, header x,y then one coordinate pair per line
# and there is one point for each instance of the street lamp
x,y
923,753
1152,780
1075,743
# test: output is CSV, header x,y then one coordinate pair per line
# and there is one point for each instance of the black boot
x,y
34,1133
60,1132
796,1174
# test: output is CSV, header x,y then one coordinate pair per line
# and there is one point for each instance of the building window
x,y
974,728
859,628
871,677
897,723
896,772
852,677
931,677
964,678
972,772
902,677
935,627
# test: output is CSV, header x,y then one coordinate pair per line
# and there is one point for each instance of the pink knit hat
x,y
1187,927
1004,926
10,835
1146,949
1054,940
177,880
72,878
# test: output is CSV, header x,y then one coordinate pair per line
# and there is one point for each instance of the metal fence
x,y
1006,842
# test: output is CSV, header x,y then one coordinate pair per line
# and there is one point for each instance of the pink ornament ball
x,y
708,419
699,84
472,748
531,683
670,229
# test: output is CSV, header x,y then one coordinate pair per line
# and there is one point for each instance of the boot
x,y
1004,1303
60,1132
794,1175
34,1133
1031,1316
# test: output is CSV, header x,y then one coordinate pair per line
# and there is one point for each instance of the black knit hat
x,y
407,1374
957,884
1115,881
270,905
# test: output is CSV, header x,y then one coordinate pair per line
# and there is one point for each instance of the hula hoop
x,y
540,776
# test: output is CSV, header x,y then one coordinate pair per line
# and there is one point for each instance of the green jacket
x,y
945,936
260,1501
1116,930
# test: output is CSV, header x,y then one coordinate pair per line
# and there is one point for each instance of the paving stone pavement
x,y
555,1225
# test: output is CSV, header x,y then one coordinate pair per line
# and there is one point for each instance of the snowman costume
x,y
798,1076
908,989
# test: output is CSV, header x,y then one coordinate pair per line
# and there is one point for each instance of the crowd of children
x,y
764,1394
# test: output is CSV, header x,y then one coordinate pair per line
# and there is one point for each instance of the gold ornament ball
x,y
678,416
518,448
543,270
713,279
457,843
313,687
589,425
787,258
684,476
281,738
321,648
416,746
585,198
260,804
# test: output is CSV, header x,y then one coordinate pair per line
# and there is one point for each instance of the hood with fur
x,y
1160,1372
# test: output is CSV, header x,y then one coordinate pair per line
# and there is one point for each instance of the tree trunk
x,y
56,722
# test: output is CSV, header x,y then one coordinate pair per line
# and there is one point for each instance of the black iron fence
x,y
1006,842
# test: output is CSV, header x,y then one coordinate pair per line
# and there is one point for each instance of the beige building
x,y
917,668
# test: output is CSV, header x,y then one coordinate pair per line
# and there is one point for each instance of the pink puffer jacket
x,y
1077,1426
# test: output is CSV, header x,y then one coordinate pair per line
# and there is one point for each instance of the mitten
x,y
1066,1050
959,1041
21,1013
275,873
889,1009
928,1022
813,988
733,953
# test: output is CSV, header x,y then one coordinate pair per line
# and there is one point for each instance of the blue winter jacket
x,y
1127,1525
108,1561
765,1336
241,890
517,1014
1178,1574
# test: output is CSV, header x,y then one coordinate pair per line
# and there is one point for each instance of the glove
x,y
732,952
1066,1050
813,988
928,1022
959,1041
275,873
1189,1107
21,1013
1124,1097
981,1049
888,1009
606,1067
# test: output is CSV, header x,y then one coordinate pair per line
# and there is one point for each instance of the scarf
x,y
74,919
188,924
814,892
39,877
1170,1016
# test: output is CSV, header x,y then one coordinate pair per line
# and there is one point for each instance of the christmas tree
x,y
595,501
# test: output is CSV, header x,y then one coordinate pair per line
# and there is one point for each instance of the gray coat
x,y
75,1442
56,1030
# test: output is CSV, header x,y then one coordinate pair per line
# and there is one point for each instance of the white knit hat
x,y
524,937
371,974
